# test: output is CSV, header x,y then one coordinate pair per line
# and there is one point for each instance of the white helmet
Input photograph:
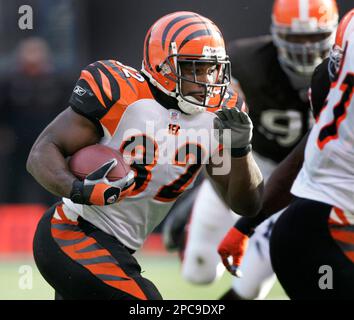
x,y
303,31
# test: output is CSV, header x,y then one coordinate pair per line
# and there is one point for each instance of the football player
x,y
274,73
317,228
164,119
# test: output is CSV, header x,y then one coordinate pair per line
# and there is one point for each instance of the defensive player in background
x,y
163,117
274,74
316,230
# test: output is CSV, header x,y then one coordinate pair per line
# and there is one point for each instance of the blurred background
x,y
38,70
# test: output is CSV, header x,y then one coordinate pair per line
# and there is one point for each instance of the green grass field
x,y
164,271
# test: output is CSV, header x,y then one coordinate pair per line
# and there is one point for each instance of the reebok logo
x,y
79,91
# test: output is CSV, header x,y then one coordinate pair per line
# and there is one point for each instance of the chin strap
x,y
188,107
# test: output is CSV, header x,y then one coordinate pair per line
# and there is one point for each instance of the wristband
x,y
76,192
245,226
240,152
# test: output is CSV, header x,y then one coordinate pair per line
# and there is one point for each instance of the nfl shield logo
x,y
174,115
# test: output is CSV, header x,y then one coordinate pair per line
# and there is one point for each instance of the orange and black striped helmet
x,y
180,37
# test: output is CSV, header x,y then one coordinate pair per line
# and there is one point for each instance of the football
x,y
90,158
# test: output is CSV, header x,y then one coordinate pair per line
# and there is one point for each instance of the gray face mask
x,y
302,58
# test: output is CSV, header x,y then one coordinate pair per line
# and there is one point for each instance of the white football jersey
x,y
327,174
168,147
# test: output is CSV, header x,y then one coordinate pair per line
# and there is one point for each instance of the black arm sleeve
x,y
320,85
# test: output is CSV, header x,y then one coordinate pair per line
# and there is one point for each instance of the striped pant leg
x,y
82,262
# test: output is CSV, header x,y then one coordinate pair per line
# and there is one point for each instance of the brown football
x,y
88,159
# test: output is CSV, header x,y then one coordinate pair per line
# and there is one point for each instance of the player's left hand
x,y
239,124
234,244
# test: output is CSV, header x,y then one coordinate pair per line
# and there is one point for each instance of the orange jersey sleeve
x,y
105,89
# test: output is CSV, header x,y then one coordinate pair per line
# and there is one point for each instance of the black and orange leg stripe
x,y
342,231
107,268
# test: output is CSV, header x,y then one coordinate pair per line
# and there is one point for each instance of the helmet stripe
x,y
171,24
147,51
196,34
175,35
304,10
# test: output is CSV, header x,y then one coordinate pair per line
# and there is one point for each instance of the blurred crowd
x,y
32,93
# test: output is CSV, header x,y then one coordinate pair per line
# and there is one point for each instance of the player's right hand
x,y
234,244
97,190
